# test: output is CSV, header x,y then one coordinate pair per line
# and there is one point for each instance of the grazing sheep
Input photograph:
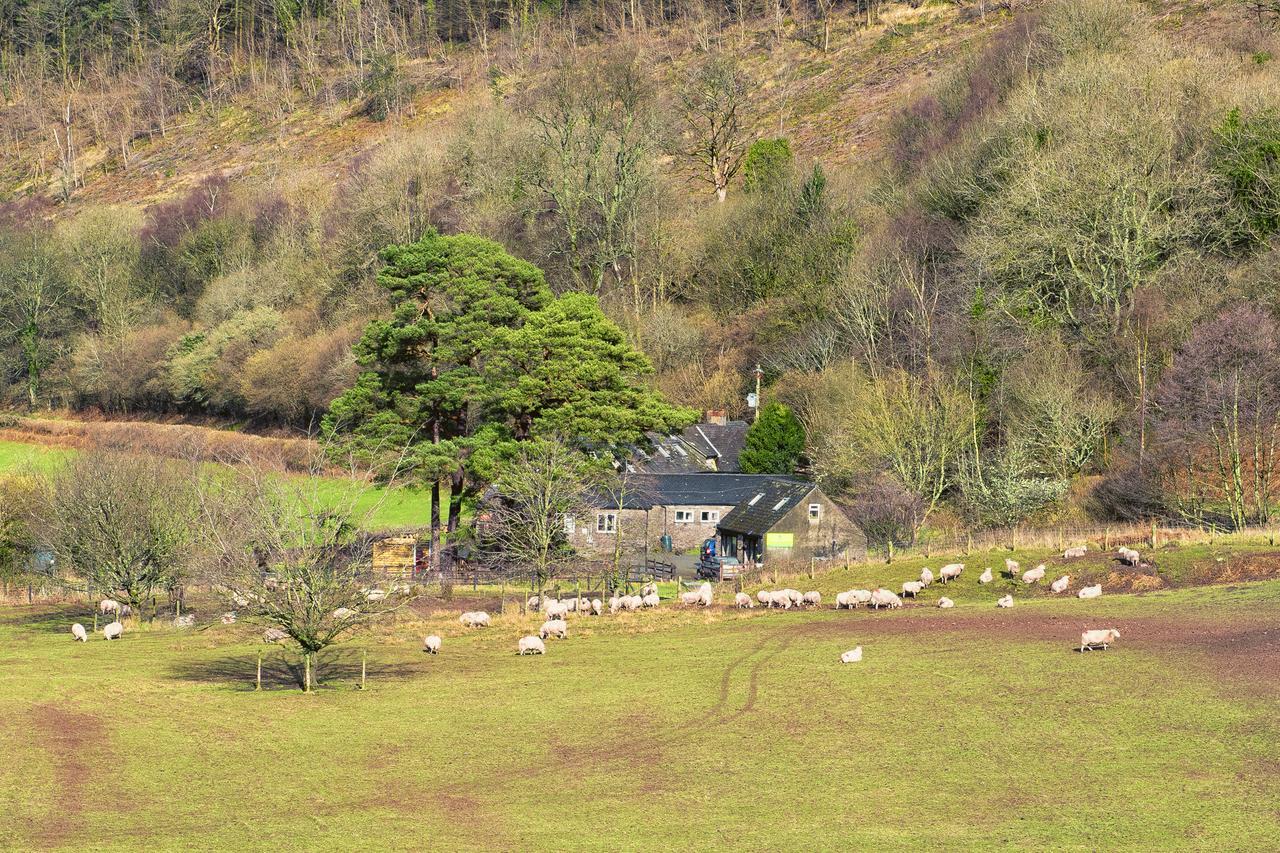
x,y
532,646
556,609
113,631
765,597
705,595
584,605
813,598
1061,584
344,613
1090,591
615,604
945,603
912,588
884,598
633,602
125,611
274,635
950,572
650,599
77,631
431,645
780,598
557,628
1073,553
852,656
1129,557
796,596
861,596
691,598
926,576
375,595
229,618
1089,640
846,600
474,619
743,601
1006,601
986,576
533,603
184,621
1012,567
597,607
650,588
1034,575
108,605
570,605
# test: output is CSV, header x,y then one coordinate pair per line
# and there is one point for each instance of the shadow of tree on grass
x,y
282,668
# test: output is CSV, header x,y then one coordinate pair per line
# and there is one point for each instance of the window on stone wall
x,y
711,516
815,512
606,522
684,516
570,525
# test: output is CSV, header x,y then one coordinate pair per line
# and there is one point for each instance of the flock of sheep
x,y
557,610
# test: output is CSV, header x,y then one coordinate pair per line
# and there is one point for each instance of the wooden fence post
x,y
364,665
257,685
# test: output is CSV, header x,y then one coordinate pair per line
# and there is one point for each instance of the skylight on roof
x,y
752,502
779,504
664,451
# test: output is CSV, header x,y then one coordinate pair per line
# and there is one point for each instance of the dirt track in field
x,y
76,744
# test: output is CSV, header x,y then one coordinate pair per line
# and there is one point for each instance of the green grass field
x,y
677,729
378,508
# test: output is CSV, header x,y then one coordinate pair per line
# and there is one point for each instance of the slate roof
x,y
756,516
701,447
645,491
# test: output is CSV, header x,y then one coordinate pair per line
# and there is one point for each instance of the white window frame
x,y
606,522
570,525
815,512
684,516
711,516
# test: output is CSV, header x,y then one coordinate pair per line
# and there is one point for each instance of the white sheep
x,y
846,600
77,631
375,595
796,596
186,620
1006,601
633,602
650,588
1012,567
765,597
1089,640
705,595
113,631
431,644
950,572
555,609
1074,553
852,656
813,598
986,576
344,613
650,599
912,588
1034,574
571,605
474,619
108,605
861,596
533,603
615,604
1090,592
584,605
229,618
926,576
743,601
884,598
597,607
690,598
1061,584
1128,556
274,635
554,628
532,646
780,598
945,603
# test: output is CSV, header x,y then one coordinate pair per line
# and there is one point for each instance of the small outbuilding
x,y
789,520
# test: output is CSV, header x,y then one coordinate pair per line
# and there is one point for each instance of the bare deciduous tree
x,y
711,103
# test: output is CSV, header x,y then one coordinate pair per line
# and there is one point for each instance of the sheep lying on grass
x,y
884,598
852,656
431,645
1005,601
743,601
1034,575
986,576
113,631
950,572
1090,640
532,646
344,613
557,628
945,603
1061,584
474,619
274,635
1090,592
1074,553
77,631
1012,567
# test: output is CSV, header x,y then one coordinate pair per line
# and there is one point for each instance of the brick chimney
x,y
717,417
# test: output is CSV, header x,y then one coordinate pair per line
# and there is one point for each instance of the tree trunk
x,y
306,672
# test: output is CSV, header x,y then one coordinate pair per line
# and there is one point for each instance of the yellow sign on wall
x,y
779,540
